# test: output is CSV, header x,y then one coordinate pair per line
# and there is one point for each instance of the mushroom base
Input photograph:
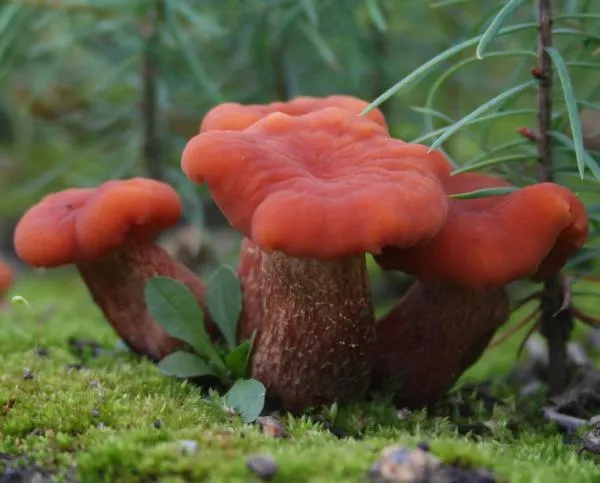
x,y
117,283
316,326
435,334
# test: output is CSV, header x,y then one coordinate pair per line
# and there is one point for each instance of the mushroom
x,y
236,117
313,193
7,278
446,320
108,232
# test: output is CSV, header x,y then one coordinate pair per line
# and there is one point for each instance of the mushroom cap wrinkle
x,y
237,117
321,185
82,224
489,242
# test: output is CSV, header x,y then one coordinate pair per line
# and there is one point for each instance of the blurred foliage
x,y
72,74
86,83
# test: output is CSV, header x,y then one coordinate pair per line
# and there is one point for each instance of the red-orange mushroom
x,y
236,117
108,233
446,320
7,277
313,193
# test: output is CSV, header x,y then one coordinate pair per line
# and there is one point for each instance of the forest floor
x,y
74,406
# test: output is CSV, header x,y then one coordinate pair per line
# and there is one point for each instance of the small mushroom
x,y
446,320
108,233
312,194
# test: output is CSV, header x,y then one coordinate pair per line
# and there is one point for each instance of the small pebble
x,y
189,447
95,412
262,465
403,414
271,427
530,388
591,440
27,373
565,421
402,465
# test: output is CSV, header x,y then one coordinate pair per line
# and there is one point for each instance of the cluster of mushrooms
x,y
313,186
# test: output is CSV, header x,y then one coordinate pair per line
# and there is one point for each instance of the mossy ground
x,y
98,423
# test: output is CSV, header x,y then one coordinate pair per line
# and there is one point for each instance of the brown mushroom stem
x,y
116,282
437,331
317,326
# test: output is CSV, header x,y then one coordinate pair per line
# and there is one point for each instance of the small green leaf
x,y
173,306
184,364
20,300
420,72
483,193
320,44
247,397
492,31
491,162
500,98
446,3
224,301
194,62
572,110
376,15
311,11
589,161
237,357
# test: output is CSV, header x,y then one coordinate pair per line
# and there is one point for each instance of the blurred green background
x,y
100,89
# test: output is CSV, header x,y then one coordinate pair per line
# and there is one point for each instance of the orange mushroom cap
x,y
489,242
322,185
82,224
237,117
7,277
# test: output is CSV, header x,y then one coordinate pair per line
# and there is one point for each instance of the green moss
x,y
100,421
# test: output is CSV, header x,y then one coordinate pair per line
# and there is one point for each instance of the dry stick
x,y
515,328
525,338
151,155
587,319
556,321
